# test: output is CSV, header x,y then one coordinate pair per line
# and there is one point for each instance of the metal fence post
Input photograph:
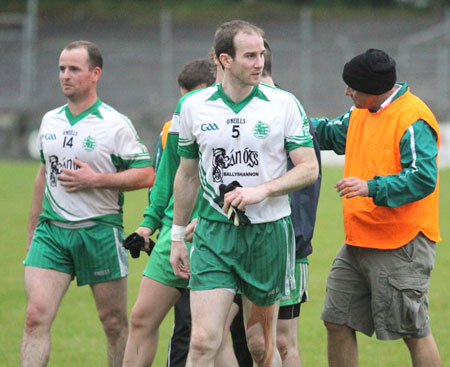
x,y
167,67
306,44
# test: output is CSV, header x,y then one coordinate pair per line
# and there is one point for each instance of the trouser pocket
x,y
408,308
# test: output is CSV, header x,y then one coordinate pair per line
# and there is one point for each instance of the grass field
x,y
77,337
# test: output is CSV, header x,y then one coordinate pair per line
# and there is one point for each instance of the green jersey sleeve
x,y
332,133
417,179
162,190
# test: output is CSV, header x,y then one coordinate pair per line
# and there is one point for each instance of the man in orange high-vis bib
x,y
379,279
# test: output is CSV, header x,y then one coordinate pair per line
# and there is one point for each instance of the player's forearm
x,y
185,195
131,179
36,204
304,174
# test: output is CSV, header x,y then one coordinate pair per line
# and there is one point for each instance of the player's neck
x,y
77,106
236,91
267,80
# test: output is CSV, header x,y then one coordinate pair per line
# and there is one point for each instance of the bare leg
x,y
209,310
152,305
225,356
111,300
287,342
342,346
260,325
424,351
45,289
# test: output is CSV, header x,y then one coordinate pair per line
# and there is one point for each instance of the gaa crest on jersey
x,y
89,144
209,127
261,130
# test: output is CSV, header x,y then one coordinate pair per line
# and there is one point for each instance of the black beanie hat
x,y
372,72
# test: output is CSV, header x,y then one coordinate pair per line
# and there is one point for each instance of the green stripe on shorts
x,y
300,293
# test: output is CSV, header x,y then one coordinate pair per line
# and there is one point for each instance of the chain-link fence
x,y
309,51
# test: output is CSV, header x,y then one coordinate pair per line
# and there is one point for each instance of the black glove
x,y
135,243
236,215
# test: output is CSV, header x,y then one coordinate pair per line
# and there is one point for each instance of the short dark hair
x,y
224,37
196,72
267,71
94,55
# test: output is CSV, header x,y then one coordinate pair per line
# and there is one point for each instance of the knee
x,y
204,342
114,322
282,346
36,317
138,318
257,347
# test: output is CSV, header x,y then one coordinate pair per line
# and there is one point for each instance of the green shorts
x,y
92,255
258,259
158,266
300,293
385,291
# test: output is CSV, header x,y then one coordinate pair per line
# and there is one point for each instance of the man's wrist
x,y
177,233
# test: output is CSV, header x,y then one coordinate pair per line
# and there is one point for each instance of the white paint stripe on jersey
x,y
120,253
413,148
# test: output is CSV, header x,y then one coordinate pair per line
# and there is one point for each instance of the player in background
x,y
226,133
90,154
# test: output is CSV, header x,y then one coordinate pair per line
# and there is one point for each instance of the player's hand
x,y
240,197
351,187
179,260
82,178
189,234
146,233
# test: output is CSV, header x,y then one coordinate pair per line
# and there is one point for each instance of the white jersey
x,y
99,136
246,142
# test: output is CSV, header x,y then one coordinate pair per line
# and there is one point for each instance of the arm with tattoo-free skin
x,y
36,204
86,178
185,194
303,174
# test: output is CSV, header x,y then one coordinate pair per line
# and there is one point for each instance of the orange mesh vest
x,y
373,148
165,132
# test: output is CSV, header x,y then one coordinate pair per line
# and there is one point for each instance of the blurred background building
x,y
146,42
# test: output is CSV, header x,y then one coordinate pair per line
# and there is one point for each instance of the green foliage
x,y
139,12
77,336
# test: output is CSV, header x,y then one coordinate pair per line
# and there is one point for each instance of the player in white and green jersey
x,y
90,155
239,130
242,143
100,137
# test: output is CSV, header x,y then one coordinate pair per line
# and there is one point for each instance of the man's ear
x,y
97,73
225,60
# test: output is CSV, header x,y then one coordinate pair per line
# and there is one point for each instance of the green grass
x,y
77,337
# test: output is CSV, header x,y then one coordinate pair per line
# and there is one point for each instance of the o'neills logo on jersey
x,y
236,120
261,130
209,127
221,161
55,166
